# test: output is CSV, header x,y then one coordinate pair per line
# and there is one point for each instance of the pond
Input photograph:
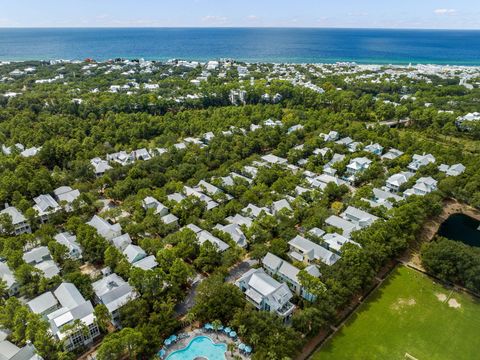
x,y
462,228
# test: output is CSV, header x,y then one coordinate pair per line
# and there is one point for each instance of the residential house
x,y
175,197
147,263
423,186
44,304
121,242
72,307
65,195
375,149
151,203
19,222
10,351
113,292
331,136
41,259
6,275
254,211
266,293
170,219
45,205
302,249
122,158
336,241
359,217
274,160
104,228
287,273
134,253
420,161
347,227
383,198
295,128
280,205
240,220
70,242
100,166
204,236
395,181
235,233
454,170
392,154
358,165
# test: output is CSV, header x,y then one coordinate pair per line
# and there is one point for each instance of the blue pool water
x,y
201,346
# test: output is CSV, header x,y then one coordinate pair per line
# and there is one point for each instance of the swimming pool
x,y
200,346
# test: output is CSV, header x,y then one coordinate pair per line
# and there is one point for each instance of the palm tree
x,y
231,348
216,325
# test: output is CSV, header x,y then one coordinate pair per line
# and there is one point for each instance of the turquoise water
x,y
373,46
200,346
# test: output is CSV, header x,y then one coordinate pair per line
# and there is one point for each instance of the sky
x,y
428,14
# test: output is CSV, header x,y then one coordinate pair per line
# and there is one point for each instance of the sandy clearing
x,y
453,303
441,297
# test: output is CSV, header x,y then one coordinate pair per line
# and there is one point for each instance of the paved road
x,y
183,307
240,269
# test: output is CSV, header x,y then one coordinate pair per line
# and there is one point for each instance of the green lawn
x,y
405,315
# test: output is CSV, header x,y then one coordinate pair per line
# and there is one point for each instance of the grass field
x,y
411,314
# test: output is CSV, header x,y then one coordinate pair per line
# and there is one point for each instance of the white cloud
x,y
252,17
445,11
214,20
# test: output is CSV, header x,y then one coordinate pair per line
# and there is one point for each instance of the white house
x,y
10,351
287,273
359,217
66,195
454,170
204,236
422,187
100,166
113,292
395,181
45,205
6,275
336,241
274,160
346,226
70,242
331,136
72,307
134,253
235,233
302,249
41,259
280,205
254,211
383,198
419,161
358,165
266,293
392,154
376,149
19,222
151,203
104,228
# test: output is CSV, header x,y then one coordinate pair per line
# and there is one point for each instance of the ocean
x,y
305,45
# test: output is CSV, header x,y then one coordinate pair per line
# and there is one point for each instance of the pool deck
x,y
216,337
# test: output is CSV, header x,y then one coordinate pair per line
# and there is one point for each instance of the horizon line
x,y
238,27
